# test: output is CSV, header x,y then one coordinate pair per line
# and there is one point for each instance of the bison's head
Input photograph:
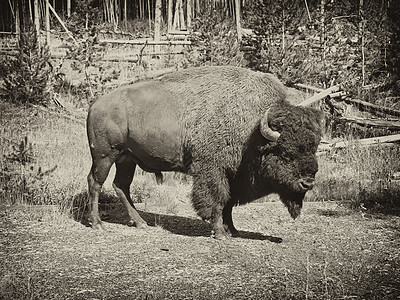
x,y
288,159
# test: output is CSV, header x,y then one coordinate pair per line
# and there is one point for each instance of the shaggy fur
x,y
221,107
276,167
206,122
221,110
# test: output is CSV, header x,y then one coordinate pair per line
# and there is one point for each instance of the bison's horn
x,y
266,131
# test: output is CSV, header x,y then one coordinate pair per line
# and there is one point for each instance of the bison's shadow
x,y
113,212
195,227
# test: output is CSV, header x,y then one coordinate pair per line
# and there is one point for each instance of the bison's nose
x,y
306,184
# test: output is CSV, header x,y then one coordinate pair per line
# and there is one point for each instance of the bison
x,y
232,129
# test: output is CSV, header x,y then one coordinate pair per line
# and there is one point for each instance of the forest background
x,y
317,42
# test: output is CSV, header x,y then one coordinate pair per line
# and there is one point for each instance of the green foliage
x,y
27,75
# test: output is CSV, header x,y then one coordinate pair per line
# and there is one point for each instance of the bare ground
x,y
328,253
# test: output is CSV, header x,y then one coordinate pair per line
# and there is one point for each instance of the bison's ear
x,y
266,131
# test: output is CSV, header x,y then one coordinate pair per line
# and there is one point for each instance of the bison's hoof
x,y
231,230
97,226
221,235
95,222
235,233
139,225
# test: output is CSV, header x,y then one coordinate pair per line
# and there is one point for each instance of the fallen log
x,y
362,142
366,106
144,42
321,95
362,105
308,87
146,76
391,125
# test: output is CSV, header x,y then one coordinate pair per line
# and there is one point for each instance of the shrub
x,y
215,41
27,75
20,180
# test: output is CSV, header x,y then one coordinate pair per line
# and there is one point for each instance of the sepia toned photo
x,y
199,149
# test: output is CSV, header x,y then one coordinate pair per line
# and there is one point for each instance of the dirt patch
x,y
321,255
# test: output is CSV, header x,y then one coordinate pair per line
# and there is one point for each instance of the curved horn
x,y
266,131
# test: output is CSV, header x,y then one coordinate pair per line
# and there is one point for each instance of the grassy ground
x,y
331,252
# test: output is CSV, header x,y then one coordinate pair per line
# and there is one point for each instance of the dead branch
x,y
147,42
321,95
150,75
362,142
391,125
366,106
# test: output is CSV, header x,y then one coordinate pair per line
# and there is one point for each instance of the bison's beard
x,y
293,201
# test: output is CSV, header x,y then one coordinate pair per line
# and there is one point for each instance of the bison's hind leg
x,y
159,178
97,175
125,169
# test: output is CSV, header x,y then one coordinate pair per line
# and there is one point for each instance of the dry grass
x,y
331,252
360,176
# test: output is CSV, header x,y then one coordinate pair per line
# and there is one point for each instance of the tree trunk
x,y
68,8
30,10
157,21
308,11
17,19
149,13
283,31
125,16
361,29
116,14
47,22
170,2
181,15
323,39
238,25
176,22
197,11
37,17
189,6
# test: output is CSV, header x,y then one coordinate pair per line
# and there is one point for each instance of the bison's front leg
x,y
227,219
209,196
218,229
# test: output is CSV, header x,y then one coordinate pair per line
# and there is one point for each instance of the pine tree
x,y
28,73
